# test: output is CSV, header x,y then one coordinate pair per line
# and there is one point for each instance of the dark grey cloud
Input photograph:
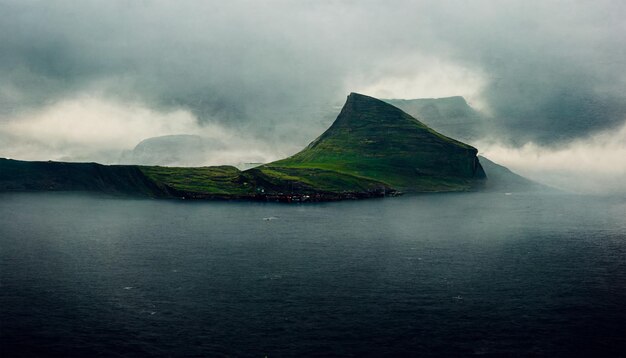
x,y
552,70
555,69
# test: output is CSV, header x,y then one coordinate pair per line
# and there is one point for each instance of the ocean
x,y
445,275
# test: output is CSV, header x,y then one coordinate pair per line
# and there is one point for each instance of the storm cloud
x,y
546,72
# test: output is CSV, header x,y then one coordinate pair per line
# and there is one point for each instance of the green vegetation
x,y
374,140
219,180
16,175
451,116
310,180
372,149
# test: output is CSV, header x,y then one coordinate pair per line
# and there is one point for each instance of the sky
x,y
88,80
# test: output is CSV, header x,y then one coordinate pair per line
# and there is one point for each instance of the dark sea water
x,y
433,275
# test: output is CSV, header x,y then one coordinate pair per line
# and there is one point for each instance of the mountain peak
x,y
361,99
354,96
357,102
451,116
361,110
373,139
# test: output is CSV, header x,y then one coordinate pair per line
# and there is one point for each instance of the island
x,y
373,149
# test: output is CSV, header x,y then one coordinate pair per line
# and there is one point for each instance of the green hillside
x,y
451,116
372,149
373,140
16,175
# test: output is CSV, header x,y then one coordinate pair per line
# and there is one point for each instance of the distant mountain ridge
x,y
372,149
168,150
452,116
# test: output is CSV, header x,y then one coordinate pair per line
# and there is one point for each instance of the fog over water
x,y
595,164
445,275
87,81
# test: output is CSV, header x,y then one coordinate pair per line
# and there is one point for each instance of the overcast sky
x,y
84,80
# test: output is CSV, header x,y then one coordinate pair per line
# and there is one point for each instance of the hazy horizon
x,y
90,81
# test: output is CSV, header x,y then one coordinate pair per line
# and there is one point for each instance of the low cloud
x,y
98,129
88,80
591,165
405,78
549,71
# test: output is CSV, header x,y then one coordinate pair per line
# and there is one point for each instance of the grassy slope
x,y
226,180
374,140
371,148
312,179
18,175
218,180
451,116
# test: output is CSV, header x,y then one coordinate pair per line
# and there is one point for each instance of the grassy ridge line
x,y
371,149
374,140
219,180
227,180
16,175
156,181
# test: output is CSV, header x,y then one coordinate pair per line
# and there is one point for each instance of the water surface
x,y
430,275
